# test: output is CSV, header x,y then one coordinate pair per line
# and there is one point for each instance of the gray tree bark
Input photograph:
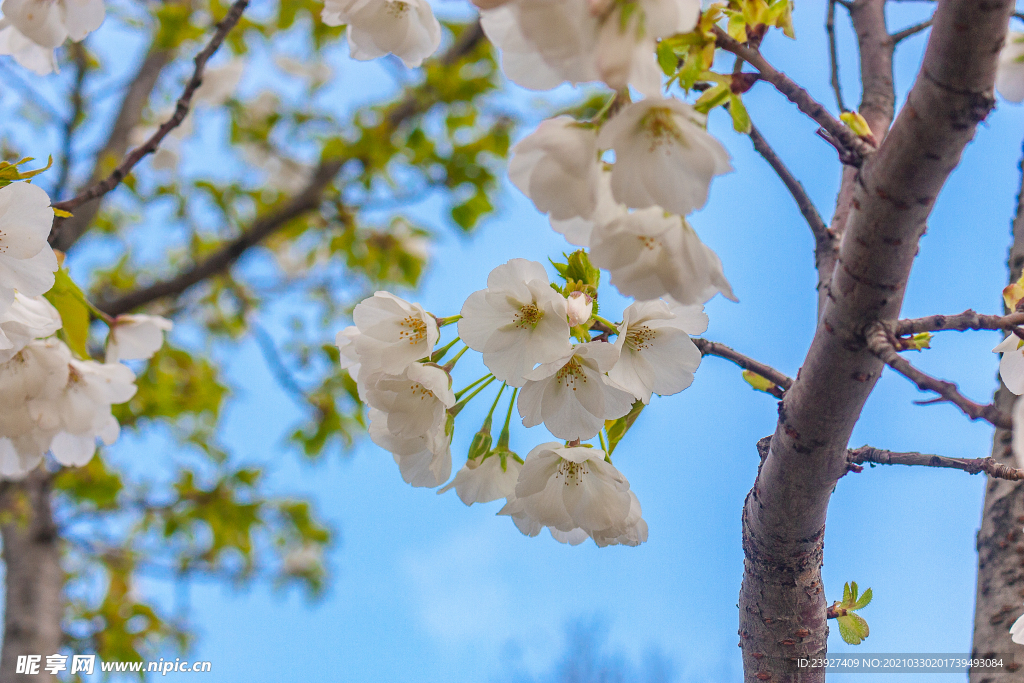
x,y
34,580
782,601
1000,589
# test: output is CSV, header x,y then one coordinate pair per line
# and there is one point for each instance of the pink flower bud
x,y
579,307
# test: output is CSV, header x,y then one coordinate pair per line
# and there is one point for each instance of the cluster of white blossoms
x,y
404,28
49,399
31,30
522,326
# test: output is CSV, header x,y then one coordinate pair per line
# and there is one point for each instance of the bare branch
x,y
910,31
833,53
968,320
880,343
710,348
825,243
995,469
181,111
852,148
71,124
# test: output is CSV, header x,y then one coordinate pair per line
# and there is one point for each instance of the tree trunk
x,y
34,580
1000,592
782,601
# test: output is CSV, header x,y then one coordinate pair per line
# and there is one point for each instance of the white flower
x,y
415,400
578,230
517,322
650,254
487,479
393,333
1011,365
544,43
571,395
345,341
574,537
1017,631
40,60
81,413
16,464
573,487
219,83
136,337
557,167
663,156
405,28
1010,72
27,262
634,532
37,372
656,354
424,460
316,70
28,318
49,23
578,306
303,559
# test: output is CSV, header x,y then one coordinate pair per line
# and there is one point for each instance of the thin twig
x,y
819,229
995,469
882,345
71,124
968,320
853,149
909,31
180,112
710,348
833,53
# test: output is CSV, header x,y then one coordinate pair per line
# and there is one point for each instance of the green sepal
x,y
70,302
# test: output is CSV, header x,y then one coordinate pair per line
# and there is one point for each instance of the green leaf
x,y
712,97
853,628
863,601
617,428
70,302
849,595
758,382
667,59
740,117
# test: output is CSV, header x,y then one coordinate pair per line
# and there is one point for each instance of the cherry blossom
x,y
37,372
656,355
578,230
485,479
27,262
15,463
405,28
414,401
392,333
517,322
136,337
28,318
573,487
349,357
40,60
424,460
81,412
1010,72
48,23
632,533
579,306
557,167
303,559
1017,630
650,254
1011,365
571,395
663,155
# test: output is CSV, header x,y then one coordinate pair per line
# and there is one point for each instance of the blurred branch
x,y
71,124
884,347
281,373
833,53
221,260
910,31
63,240
867,454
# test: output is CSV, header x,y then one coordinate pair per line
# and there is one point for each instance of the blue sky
x,y
425,589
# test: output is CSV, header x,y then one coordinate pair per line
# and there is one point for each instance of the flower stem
x,y
451,364
441,322
611,327
495,404
604,444
458,394
457,408
503,438
439,353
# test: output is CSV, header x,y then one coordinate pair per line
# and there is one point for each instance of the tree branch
x,y
833,53
852,148
880,343
100,188
989,466
968,320
909,31
825,243
414,102
710,348
71,124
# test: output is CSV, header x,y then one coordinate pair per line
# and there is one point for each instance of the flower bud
x,y
579,307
